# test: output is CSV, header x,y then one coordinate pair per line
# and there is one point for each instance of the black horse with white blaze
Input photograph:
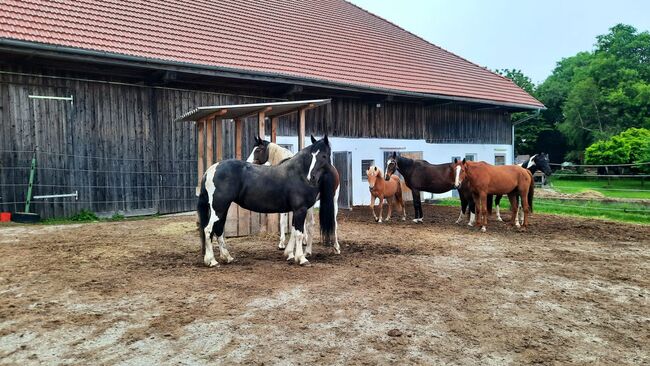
x,y
293,186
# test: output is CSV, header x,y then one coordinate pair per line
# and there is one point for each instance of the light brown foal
x,y
390,189
511,180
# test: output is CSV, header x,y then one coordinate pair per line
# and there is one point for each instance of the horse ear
x,y
394,156
455,160
313,140
375,168
327,141
464,161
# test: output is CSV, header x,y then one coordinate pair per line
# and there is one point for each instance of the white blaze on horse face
x,y
252,155
313,163
457,181
531,162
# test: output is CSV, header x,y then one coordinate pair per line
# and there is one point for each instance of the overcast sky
x,y
527,35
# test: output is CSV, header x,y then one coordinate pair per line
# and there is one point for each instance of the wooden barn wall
x,y
114,143
117,145
438,124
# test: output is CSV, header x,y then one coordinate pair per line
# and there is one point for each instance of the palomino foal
x,y
390,189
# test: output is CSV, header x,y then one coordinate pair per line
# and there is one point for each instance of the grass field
x,y
616,211
615,187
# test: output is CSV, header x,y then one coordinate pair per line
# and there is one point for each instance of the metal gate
x,y
343,163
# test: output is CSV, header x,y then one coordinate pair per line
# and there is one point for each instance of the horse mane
x,y
278,154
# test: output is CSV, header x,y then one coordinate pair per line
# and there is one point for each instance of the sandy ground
x,y
565,291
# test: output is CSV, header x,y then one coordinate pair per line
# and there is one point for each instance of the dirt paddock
x,y
565,291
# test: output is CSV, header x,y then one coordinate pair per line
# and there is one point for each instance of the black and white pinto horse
x,y
293,186
266,152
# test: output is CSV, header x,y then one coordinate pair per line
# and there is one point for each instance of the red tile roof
x,y
327,40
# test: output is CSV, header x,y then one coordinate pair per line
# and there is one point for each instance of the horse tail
x,y
531,193
203,213
326,213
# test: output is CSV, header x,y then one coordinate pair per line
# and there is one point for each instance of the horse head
x,y
260,151
391,165
373,173
320,153
543,163
459,170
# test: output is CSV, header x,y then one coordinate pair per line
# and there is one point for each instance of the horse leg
x,y
337,247
309,231
526,207
283,229
474,211
400,202
299,227
497,202
512,197
389,201
381,207
291,244
223,249
417,206
372,206
463,208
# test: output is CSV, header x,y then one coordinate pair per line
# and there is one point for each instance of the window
x,y
470,157
287,146
365,165
499,159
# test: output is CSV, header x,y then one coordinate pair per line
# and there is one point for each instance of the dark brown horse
x,y
420,175
485,179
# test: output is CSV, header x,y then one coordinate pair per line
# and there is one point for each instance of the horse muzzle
x,y
370,188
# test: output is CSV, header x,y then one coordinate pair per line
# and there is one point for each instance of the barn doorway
x,y
343,163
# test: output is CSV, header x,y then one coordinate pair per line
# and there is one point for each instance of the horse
x,y
485,179
535,163
420,175
390,189
266,152
293,186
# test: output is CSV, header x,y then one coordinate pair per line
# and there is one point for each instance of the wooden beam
x,y
308,106
219,126
239,134
200,146
261,116
209,137
252,113
301,129
274,129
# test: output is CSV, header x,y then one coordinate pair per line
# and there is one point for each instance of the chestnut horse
x,y
390,189
485,179
419,175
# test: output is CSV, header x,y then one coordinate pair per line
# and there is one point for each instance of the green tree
x,y
629,147
595,95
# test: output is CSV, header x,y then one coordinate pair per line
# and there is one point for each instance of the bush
x,y
84,216
628,147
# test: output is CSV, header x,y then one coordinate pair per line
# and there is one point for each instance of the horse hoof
x,y
305,263
483,229
376,219
499,218
403,218
212,263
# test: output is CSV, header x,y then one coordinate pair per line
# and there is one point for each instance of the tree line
x,y
598,103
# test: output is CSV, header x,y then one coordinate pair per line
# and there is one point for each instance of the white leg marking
x,y
283,228
498,213
313,163
289,250
300,256
224,254
472,219
208,259
483,229
460,217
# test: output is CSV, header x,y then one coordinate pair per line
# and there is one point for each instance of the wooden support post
x,y
301,129
239,135
209,137
219,126
260,124
200,146
274,129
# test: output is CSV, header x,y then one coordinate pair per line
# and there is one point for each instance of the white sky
x,y
527,35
